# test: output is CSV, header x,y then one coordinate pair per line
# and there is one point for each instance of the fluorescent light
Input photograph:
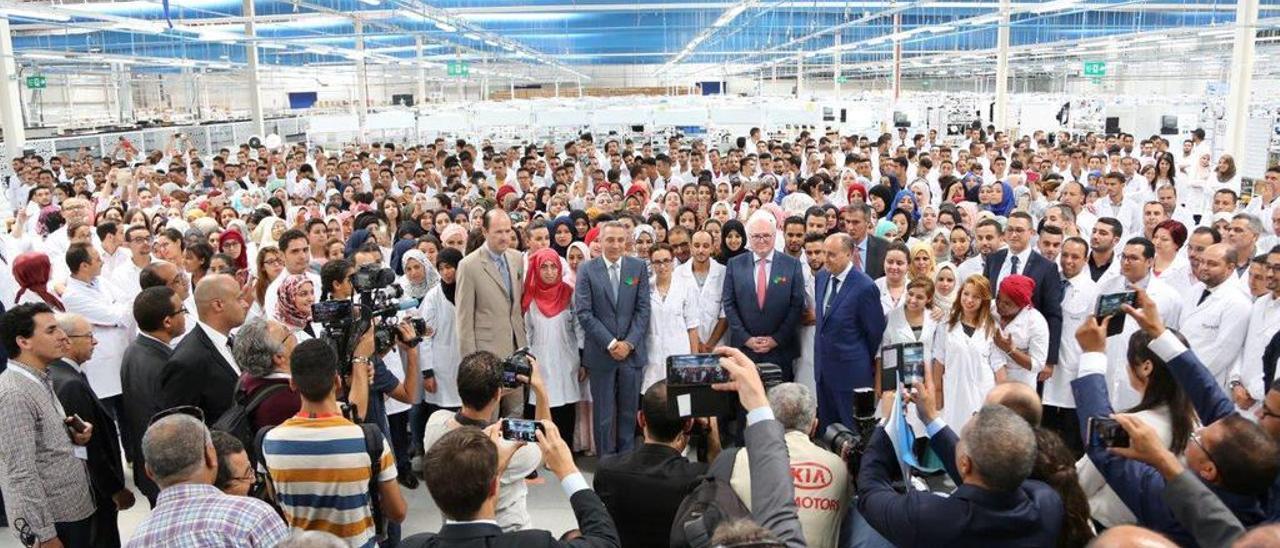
x,y
372,2
34,14
45,56
272,45
471,36
446,27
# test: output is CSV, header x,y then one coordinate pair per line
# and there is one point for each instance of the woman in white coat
x,y
673,316
965,364
553,339
913,323
439,350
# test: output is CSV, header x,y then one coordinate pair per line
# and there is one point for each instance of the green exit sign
x,y
459,69
35,82
842,79
1095,69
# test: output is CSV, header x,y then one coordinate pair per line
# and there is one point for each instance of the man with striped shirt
x,y
318,461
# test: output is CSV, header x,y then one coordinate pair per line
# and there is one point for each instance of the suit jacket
x,y
487,318
603,321
197,374
593,520
877,247
643,490
105,467
784,302
1047,297
140,400
971,516
848,332
1201,511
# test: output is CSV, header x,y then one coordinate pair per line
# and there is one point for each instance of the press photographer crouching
x,y
483,380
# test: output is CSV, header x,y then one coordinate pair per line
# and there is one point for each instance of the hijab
x,y
397,255
357,239
926,247
883,227
1005,206
945,301
886,195
418,290
562,251
262,232
645,229
551,298
31,270
572,275
732,225
972,209
286,311
242,262
906,193
451,257
574,215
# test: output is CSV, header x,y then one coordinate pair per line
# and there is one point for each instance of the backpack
x,y
238,419
711,503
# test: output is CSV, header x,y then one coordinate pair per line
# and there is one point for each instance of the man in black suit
x,y
1019,258
869,250
202,371
106,471
462,470
643,489
160,317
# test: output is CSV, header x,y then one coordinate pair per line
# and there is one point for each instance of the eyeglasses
x,y
274,262
1195,438
189,410
182,310
85,336
761,237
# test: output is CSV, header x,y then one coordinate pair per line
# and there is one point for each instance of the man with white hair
x,y
821,478
764,298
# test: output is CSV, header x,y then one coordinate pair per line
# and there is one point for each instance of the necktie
x,y
831,296
762,282
1013,265
1203,296
613,280
1065,284
857,257
231,341
506,274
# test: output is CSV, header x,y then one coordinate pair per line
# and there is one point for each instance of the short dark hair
x,y
1112,223
1245,457
107,228
1024,216
150,277
1212,232
77,255
313,367
20,321
331,274
991,223
1148,248
458,469
289,236
152,306
662,423
793,220
479,378
224,445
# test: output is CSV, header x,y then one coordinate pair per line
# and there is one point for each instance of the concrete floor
x,y
547,506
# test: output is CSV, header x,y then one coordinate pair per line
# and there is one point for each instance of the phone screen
x,y
520,430
912,364
695,369
1109,304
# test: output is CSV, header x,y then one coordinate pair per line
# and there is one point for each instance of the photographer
x,y
481,388
1232,456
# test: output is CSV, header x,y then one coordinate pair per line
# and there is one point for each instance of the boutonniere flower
x,y
778,280
631,280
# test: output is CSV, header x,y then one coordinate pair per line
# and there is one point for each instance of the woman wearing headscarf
x,y
968,215
397,254
922,262
1022,337
643,237
733,240
562,235
231,243
857,193
553,337
296,295
880,198
886,229
31,271
946,288
439,352
357,239
419,276
905,200
1002,204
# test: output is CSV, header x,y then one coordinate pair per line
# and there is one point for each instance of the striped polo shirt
x,y
320,471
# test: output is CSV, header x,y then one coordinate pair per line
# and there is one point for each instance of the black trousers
x,y
75,534
104,527
399,424
1064,422
564,417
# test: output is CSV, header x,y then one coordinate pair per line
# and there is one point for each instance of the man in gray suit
x,y
161,317
487,299
612,305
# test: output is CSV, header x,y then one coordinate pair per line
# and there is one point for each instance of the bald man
x,y
1131,536
202,371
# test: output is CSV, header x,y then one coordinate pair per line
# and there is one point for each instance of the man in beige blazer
x,y
490,284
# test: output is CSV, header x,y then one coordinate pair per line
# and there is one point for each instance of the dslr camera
x,y
851,444
516,364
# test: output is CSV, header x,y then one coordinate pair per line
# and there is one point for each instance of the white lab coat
x,y
897,331
1029,333
554,342
1264,322
439,352
670,319
708,297
887,302
969,363
1216,327
1167,300
804,363
113,327
1078,302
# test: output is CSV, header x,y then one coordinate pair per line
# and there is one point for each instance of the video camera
x,y
376,302
851,444
516,364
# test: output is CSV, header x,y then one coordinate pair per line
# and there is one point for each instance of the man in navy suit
x,y
850,325
612,305
1019,258
764,298
996,505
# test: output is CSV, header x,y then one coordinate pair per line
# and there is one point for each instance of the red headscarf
x,y
1019,289
592,234
503,191
552,298
31,270
856,188
242,261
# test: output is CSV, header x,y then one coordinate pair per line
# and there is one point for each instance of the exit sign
x,y
1095,69
35,82
842,79
459,69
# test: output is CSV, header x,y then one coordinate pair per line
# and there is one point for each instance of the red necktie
x,y
762,282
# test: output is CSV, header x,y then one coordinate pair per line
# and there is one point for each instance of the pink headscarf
x,y
288,312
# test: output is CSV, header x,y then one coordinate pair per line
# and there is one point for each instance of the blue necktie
x,y
1014,265
506,274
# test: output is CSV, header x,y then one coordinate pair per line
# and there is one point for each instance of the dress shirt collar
x,y
40,374
1079,278
144,334
472,522
845,273
92,285
493,254
177,494
755,259
1022,258
609,264
79,369
219,340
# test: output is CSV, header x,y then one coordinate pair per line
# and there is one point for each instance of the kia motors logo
x,y
810,475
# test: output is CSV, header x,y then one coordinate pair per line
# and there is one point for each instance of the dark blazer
x,y
643,490
105,467
1138,484
593,520
848,337
877,247
784,302
603,321
1048,294
140,400
198,375
971,516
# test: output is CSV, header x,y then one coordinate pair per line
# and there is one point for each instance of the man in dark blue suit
x,y
850,325
612,305
764,298
996,505
1020,258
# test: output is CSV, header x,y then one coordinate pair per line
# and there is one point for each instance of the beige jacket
x,y
487,318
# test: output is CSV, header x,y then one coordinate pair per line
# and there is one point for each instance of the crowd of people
x,y
161,317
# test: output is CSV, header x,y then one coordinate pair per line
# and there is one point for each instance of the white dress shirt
x,y
220,342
